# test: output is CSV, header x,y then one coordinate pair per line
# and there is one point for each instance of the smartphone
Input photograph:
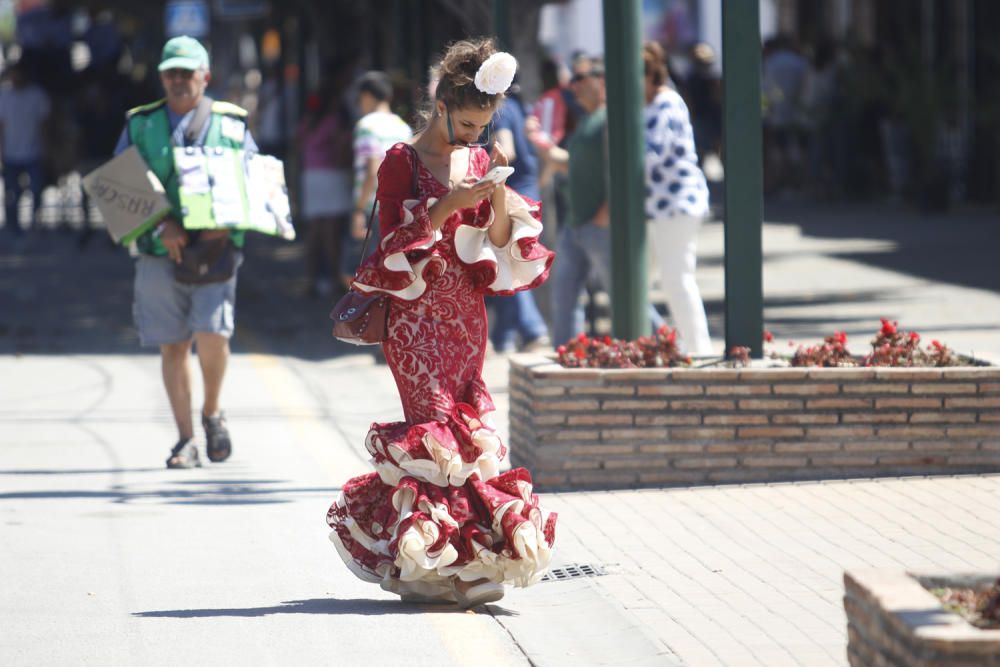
x,y
497,174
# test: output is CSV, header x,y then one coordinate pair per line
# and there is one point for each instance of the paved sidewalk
x,y
127,559
113,560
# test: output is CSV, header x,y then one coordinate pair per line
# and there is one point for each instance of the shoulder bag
x,y
363,319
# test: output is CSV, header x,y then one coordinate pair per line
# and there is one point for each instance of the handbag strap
x,y
416,191
192,132
197,124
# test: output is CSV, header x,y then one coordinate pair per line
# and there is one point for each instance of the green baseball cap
x,y
183,53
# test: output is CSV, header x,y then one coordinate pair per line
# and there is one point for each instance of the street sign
x,y
186,17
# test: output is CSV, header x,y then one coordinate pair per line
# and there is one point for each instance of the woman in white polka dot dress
x,y
676,201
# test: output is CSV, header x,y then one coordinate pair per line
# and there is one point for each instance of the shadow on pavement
x,y
955,247
357,607
238,492
75,471
57,297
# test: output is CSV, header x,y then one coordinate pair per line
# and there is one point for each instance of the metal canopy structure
x,y
741,119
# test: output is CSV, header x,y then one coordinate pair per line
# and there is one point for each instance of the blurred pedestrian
x,y
704,96
376,131
676,201
784,73
551,112
24,109
517,315
823,115
170,314
584,244
324,137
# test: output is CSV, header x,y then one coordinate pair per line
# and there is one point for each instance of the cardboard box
x,y
128,194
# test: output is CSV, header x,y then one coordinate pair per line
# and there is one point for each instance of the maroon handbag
x,y
363,319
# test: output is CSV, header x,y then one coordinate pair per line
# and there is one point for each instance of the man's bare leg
x,y
213,355
177,380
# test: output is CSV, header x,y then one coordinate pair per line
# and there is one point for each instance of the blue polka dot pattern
x,y
675,184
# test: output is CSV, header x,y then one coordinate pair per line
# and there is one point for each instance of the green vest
x,y
149,131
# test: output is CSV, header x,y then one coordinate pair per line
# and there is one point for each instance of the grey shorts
x,y
166,311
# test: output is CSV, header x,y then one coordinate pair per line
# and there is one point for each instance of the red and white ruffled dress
x,y
437,506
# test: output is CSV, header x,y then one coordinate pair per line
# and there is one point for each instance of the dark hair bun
x,y
458,67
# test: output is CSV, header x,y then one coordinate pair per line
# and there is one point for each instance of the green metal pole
x,y
623,66
501,23
744,177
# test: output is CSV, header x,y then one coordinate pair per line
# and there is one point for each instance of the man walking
x,y
584,243
169,314
24,108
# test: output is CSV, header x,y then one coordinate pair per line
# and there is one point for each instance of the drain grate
x,y
573,571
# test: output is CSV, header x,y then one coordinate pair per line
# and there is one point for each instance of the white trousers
x,y
675,245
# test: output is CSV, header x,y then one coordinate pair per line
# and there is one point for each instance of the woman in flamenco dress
x,y
437,521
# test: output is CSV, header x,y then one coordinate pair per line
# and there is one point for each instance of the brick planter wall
x,y
893,620
622,428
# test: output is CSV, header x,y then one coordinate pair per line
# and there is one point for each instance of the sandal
x,y
477,594
184,455
218,446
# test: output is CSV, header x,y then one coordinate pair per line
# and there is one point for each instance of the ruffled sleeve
x,y
403,262
410,253
523,263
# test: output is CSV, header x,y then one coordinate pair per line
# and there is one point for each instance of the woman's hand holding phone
x,y
470,192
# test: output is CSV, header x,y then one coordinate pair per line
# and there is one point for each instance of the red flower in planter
x,y
768,336
890,347
607,352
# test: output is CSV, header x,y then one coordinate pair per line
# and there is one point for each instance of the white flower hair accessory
x,y
496,73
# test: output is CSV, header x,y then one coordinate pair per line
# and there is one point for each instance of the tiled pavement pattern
x,y
752,575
